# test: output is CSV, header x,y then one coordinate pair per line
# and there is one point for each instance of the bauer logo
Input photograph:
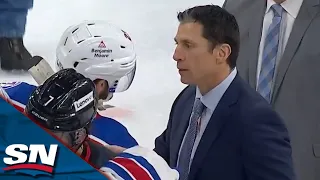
x,y
84,101
23,157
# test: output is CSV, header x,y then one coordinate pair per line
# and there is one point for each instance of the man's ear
x,y
223,53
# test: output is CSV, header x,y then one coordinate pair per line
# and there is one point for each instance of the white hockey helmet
x,y
98,50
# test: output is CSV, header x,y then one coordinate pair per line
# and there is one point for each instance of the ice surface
x,y
152,26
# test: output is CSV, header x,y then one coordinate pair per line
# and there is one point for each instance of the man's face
x,y
196,60
102,88
72,139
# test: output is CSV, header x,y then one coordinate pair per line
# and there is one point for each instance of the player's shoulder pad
x,y
8,85
139,163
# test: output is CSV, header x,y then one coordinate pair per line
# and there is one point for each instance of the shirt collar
x,y
291,6
212,98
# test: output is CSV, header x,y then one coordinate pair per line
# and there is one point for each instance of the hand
x,y
116,149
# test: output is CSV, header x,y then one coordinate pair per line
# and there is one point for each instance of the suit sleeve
x,y
162,142
266,148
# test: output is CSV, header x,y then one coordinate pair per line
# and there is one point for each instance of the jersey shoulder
x,y
112,132
102,120
18,91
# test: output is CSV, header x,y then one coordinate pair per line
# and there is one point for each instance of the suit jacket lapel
x,y
215,125
255,30
308,11
181,129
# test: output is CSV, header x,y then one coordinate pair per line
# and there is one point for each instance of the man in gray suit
x,y
280,57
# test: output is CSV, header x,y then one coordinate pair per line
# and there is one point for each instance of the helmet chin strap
x,y
110,96
101,106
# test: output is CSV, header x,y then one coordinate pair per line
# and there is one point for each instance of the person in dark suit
x,y
293,81
219,127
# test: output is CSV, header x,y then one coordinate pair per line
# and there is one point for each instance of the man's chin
x,y
185,80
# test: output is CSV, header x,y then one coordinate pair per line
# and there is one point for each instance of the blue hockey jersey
x,y
134,163
104,130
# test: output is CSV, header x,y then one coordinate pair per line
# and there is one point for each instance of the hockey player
x,y
104,53
100,51
65,105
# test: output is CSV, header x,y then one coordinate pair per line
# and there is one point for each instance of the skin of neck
x,y
279,1
212,81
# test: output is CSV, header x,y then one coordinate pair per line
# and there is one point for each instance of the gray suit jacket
x,y
297,84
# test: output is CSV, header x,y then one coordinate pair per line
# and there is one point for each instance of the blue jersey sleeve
x,y
112,132
18,91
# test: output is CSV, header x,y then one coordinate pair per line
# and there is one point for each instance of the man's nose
x,y
177,55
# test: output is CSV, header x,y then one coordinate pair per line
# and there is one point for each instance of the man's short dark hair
x,y
219,26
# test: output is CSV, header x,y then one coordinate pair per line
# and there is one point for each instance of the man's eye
x,y
187,45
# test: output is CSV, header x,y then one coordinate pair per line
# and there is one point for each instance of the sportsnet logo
x,y
19,158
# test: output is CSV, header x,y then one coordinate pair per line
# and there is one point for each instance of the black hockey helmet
x,y
66,103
